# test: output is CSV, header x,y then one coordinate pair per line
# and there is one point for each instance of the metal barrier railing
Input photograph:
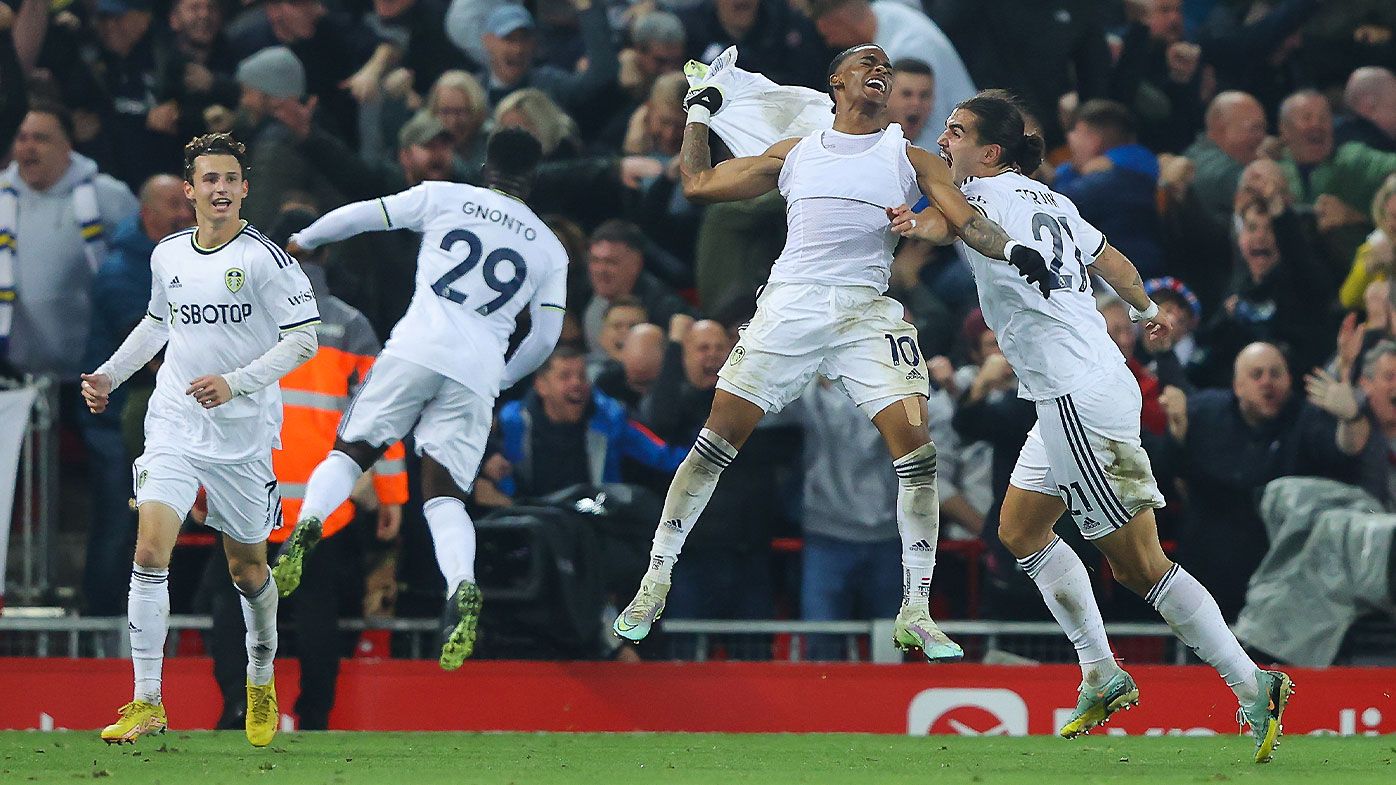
x,y
35,634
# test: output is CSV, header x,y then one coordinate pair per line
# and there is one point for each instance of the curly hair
x,y
214,144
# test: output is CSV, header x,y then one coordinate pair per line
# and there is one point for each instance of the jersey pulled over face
x,y
1056,345
224,307
837,188
484,255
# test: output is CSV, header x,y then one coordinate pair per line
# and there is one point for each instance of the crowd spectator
x,y
63,212
1375,256
912,101
1226,444
1040,50
1233,132
415,28
1112,179
657,41
1369,100
1158,76
639,363
621,314
771,37
616,268
565,433
510,41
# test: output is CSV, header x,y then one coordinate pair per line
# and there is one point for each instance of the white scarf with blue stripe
x,y
94,239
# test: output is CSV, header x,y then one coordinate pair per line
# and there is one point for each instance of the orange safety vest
x,y
314,398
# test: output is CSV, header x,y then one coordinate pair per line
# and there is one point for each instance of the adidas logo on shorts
x,y
920,546
915,374
675,524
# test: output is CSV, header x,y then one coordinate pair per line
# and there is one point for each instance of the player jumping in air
x,y
484,256
1084,455
238,314
823,312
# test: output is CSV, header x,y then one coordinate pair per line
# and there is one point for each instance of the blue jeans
x,y
111,536
847,580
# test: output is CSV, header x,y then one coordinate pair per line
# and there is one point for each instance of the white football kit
x,y
223,308
823,310
1085,446
484,257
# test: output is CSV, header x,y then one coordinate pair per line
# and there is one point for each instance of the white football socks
x,y
259,615
330,485
1061,577
688,494
453,537
148,618
918,522
1193,614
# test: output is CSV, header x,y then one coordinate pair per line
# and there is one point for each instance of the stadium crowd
x,y
1241,152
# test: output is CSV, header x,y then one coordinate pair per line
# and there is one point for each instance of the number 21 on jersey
x,y
489,273
1057,227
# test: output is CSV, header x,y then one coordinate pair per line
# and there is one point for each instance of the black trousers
x,y
332,586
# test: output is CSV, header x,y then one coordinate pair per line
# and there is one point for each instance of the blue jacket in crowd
x,y
1121,203
610,436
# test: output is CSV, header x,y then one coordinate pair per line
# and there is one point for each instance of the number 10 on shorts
x,y
904,349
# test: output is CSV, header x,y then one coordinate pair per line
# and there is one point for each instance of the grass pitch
x,y
207,758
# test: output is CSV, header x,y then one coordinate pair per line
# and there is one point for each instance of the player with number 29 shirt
x,y
484,257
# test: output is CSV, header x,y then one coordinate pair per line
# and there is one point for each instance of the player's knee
x,y
1137,575
361,453
248,575
438,482
1015,539
151,556
916,470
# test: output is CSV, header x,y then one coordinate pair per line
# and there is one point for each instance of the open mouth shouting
x,y
877,83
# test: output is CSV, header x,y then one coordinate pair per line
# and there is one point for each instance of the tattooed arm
x,y
729,181
1123,277
978,232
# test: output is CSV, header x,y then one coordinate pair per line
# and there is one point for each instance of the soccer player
x,y
238,314
823,311
1084,455
484,256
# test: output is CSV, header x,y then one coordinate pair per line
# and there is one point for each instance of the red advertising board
x,y
719,696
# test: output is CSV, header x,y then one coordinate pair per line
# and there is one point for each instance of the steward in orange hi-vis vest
x,y
314,397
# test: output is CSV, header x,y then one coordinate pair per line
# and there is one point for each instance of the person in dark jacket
x,y
564,433
1226,444
510,40
120,294
771,37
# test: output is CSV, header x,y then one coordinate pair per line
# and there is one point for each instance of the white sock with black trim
x,y
688,494
148,622
1193,614
259,614
452,538
1066,588
918,522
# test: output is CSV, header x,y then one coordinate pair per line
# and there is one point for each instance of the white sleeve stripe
x,y
1101,248
153,316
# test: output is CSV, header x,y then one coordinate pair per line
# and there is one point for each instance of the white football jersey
x,y
1056,345
485,255
837,231
224,307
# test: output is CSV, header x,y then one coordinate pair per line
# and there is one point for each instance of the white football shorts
x,y
1085,449
243,499
850,334
452,421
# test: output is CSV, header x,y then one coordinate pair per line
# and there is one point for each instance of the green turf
x,y
177,758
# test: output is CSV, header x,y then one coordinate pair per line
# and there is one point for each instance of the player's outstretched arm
x,y
730,181
370,215
1124,278
144,342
